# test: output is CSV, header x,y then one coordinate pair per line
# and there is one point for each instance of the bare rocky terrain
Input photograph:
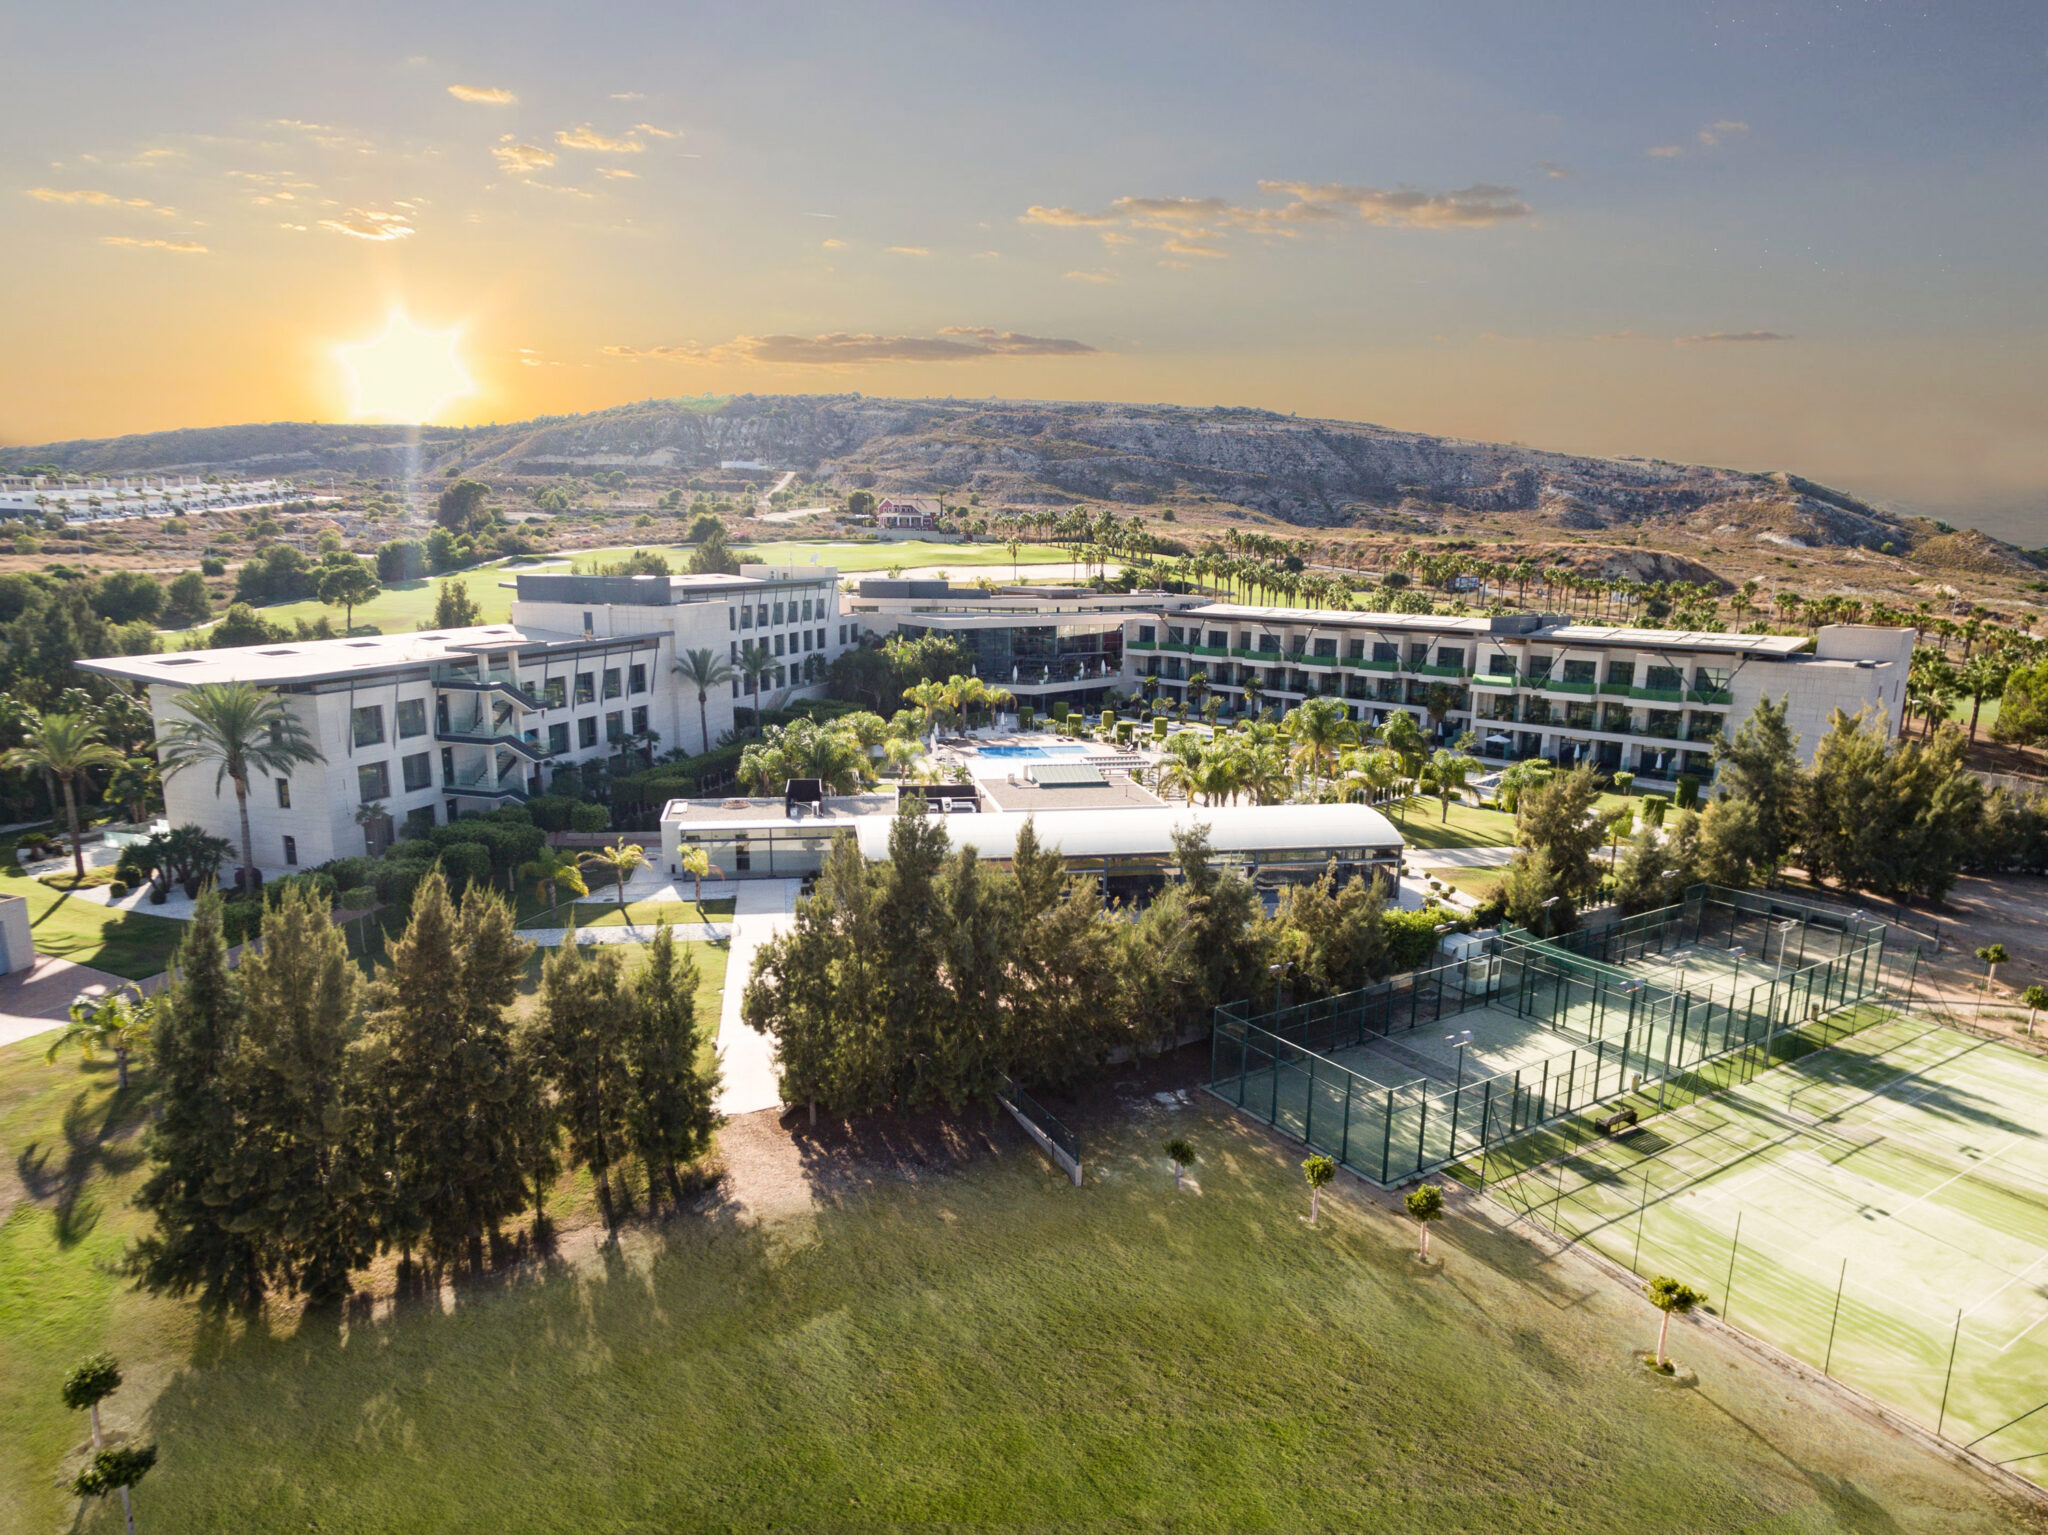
x,y
1358,490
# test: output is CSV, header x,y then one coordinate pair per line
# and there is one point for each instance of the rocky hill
x,y
1234,462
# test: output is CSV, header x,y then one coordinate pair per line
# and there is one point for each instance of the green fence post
x,y
1387,1138
1728,1289
1344,1152
1956,1338
1308,1109
1840,1280
1636,1257
1421,1127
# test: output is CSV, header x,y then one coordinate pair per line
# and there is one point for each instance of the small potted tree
x,y
1318,1170
1183,1157
2036,998
1426,1203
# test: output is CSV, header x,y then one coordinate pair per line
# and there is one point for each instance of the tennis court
x,y
1878,1208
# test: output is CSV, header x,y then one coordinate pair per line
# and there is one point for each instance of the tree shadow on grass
x,y
96,1138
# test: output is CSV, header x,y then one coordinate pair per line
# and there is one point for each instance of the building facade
x,y
1647,701
907,514
419,728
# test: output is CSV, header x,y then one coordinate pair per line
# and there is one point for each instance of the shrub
x,y
1688,791
358,897
1026,715
1654,806
1411,935
241,920
118,889
1159,727
589,818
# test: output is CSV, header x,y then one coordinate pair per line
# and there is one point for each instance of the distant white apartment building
x,y
1647,701
419,728
86,499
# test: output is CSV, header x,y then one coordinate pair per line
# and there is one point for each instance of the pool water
x,y
1030,753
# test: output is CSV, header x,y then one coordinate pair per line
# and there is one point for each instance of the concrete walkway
x,y
1459,857
747,1059
38,1000
686,932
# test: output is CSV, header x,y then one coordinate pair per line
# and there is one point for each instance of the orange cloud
x,y
483,95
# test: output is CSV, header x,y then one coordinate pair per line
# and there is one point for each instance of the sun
x,y
406,374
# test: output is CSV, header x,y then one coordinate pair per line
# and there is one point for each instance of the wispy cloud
x,y
1714,133
588,138
176,247
617,173
832,244
371,224
953,343
82,197
1198,226
325,135
907,250
483,95
629,95
1095,277
653,132
1713,336
517,159
1553,170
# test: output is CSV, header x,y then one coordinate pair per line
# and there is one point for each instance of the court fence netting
x,y
1948,1335
1650,1037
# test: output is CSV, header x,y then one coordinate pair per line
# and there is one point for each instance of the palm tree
x,y
696,862
551,874
112,1023
1403,737
932,698
1445,774
755,663
619,861
65,746
240,728
703,670
1318,727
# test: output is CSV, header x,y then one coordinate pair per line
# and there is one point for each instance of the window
x,y
1174,634
1270,642
614,725
291,850
781,678
640,720
778,612
588,626
842,634
418,771
821,639
1326,647
373,781
554,693
1501,665
448,773
761,615
1450,655
586,687
778,644
1383,650
558,736
412,718
1418,653
1664,679
1580,671
586,731
746,618
807,610
1218,640
284,794
730,621
1621,674
612,687
1354,650
636,679
1539,667
366,724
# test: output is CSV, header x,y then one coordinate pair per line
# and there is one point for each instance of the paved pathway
x,y
38,1000
686,932
1459,857
766,907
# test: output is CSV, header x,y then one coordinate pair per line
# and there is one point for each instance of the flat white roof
x,y
309,660
1134,832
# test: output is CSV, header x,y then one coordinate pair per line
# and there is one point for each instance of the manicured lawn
x,y
128,944
404,605
848,558
977,1346
598,912
1423,823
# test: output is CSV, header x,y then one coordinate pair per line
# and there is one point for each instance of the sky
x,y
1809,236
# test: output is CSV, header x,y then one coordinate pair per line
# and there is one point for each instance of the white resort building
x,y
419,728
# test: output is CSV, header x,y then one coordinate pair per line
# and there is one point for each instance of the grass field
x,y
979,1345
598,912
1423,822
1878,1208
132,945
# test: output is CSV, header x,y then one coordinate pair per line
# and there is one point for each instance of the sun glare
x,y
404,374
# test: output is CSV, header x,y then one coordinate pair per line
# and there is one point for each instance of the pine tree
x,y
203,1240
1066,1007
1760,767
817,988
305,1154
584,1029
454,1102
671,1115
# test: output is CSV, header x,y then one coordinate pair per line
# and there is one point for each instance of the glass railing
x,y
1367,664
1561,685
1424,669
1495,680
1710,696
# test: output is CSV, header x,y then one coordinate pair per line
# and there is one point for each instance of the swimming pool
x,y
1031,753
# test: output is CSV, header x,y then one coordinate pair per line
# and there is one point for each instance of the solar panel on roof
x,y
1065,775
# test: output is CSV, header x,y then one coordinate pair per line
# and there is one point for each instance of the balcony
x,y
1559,685
1708,730
1365,664
1618,689
1507,680
1247,653
1423,669
1719,697
1189,648
1659,695
532,751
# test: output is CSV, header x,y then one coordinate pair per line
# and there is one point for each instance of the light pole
x,y
1279,974
1546,916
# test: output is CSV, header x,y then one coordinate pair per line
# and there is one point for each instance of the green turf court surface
x,y
1892,1199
